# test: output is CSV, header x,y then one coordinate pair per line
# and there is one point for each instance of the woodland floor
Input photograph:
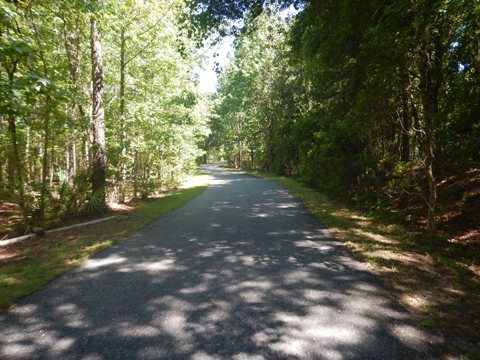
x,y
28,265
436,277
243,271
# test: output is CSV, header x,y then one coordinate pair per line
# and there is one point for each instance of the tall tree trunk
x,y
135,175
46,142
18,166
252,162
73,162
46,139
14,160
98,144
270,146
10,167
72,50
2,157
240,154
406,116
123,156
429,66
27,154
52,161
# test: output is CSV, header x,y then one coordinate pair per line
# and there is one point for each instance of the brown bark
x,y
406,117
123,175
2,155
27,155
135,175
52,161
18,166
15,164
46,144
46,140
10,168
429,67
73,162
72,50
98,144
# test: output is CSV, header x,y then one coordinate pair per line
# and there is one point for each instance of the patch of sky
x,y
219,51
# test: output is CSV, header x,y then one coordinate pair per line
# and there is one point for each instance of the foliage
x,y
422,273
363,100
154,127
44,260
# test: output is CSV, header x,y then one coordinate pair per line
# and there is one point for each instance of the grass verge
x,y
441,287
27,266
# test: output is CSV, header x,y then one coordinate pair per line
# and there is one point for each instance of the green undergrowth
x,y
440,285
27,266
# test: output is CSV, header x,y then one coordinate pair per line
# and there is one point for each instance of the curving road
x,y
241,272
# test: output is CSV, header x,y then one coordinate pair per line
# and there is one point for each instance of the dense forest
x,y
373,101
367,112
98,103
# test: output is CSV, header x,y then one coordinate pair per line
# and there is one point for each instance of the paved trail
x,y
241,272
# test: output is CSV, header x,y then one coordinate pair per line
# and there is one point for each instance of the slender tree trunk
x,y
46,139
2,156
67,162
72,50
14,160
10,166
240,154
98,144
429,66
252,162
123,156
73,161
406,117
46,144
270,146
51,169
37,165
85,151
135,175
27,154
18,166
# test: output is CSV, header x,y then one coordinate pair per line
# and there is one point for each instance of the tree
x,y
98,143
86,133
360,96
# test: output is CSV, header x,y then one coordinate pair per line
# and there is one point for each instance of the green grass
x,y
433,282
41,260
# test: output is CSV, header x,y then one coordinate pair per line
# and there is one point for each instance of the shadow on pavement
x,y
241,272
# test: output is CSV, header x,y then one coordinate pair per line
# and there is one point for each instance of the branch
x,y
153,37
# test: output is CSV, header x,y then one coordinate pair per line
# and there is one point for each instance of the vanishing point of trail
x,y
241,272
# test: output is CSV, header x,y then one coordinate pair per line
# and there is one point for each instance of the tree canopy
x,y
99,103
368,100
376,101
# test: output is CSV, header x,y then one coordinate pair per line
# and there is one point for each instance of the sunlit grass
x,y
441,289
41,260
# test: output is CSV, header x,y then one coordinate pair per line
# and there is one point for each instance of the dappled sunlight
x,y
98,263
136,331
376,237
196,180
226,284
73,316
300,332
219,182
121,207
155,266
421,262
223,205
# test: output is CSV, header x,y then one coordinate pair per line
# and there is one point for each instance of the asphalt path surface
x,y
243,271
